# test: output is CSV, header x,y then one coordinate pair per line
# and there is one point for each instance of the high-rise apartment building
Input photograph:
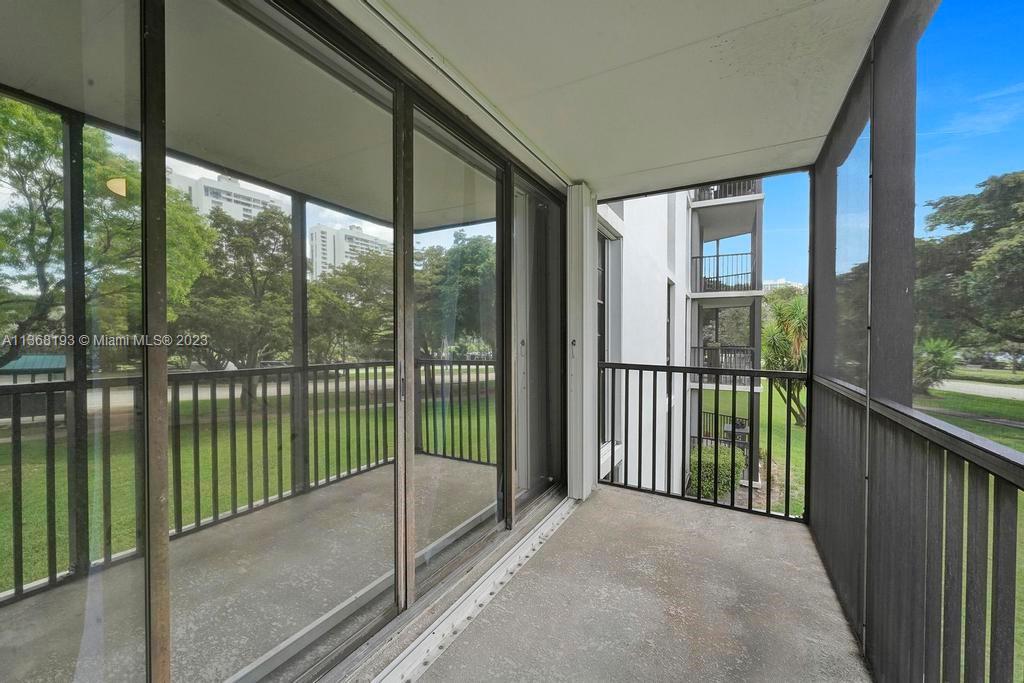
x,y
331,247
225,193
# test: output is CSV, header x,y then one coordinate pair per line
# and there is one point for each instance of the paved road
x,y
1011,391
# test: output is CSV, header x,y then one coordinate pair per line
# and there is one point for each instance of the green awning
x,y
35,364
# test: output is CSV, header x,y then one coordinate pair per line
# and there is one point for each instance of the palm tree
x,y
784,347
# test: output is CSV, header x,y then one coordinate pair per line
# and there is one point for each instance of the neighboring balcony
x,y
723,357
726,190
723,273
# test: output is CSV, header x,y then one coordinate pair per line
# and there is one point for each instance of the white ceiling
x,y
639,95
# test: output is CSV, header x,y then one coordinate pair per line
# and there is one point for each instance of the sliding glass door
x,y
455,468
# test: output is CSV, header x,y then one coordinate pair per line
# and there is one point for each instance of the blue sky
x,y
970,124
970,98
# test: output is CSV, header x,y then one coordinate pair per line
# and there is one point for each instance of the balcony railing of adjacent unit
x,y
231,451
723,273
731,188
723,357
656,449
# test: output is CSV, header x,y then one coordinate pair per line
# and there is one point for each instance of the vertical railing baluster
x,y
315,409
433,404
233,443
366,403
612,413
376,417
337,423
487,406
17,503
668,437
250,398
626,429
176,452
654,430
139,442
768,440
700,433
265,433
444,414
479,438
105,490
384,428
327,425
752,448
683,428
732,454
789,436
196,491
280,438
640,431
348,423
214,462
718,431
51,493
359,432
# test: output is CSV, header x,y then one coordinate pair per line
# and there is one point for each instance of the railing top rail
x,y
1000,460
710,256
728,372
36,387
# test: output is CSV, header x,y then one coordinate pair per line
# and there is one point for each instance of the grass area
x,y
777,434
993,375
354,453
967,412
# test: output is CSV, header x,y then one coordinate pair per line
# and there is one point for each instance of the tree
x,y
934,361
455,295
32,250
784,345
351,311
243,299
968,284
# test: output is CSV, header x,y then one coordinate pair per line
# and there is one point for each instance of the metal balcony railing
x,y
731,188
234,448
697,445
723,357
723,272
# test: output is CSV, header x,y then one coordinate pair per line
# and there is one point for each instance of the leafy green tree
x,y
784,345
351,311
968,281
242,300
934,361
455,295
32,278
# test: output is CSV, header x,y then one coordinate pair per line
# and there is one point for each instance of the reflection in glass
x,y
281,444
457,456
853,207
72,600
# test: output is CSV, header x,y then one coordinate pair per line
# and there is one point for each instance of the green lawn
x,y
354,453
777,433
971,409
988,375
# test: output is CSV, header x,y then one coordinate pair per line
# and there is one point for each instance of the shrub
x,y
934,361
707,469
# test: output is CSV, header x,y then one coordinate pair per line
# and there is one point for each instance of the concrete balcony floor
x,y
240,588
639,587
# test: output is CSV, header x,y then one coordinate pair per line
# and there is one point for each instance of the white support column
x,y
581,314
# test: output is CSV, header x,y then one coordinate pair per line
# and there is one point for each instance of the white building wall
x,y
653,249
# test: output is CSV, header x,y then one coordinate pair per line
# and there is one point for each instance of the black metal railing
x,y
723,272
674,437
234,448
730,188
457,410
917,524
722,358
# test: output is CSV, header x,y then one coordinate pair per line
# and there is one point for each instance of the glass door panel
x,y
456,465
